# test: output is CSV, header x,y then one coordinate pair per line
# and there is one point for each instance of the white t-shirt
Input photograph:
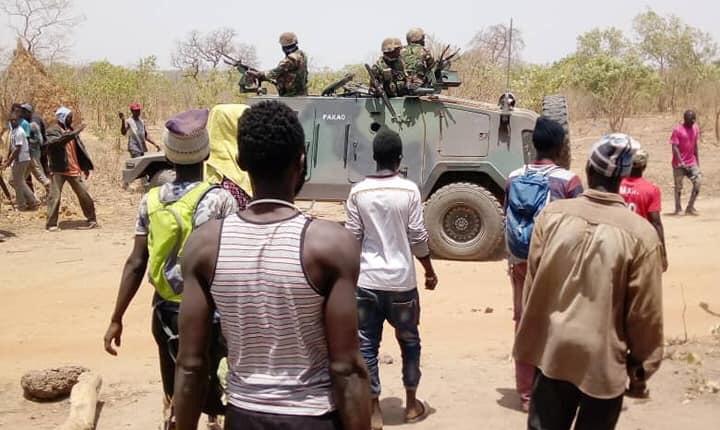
x,y
19,140
386,215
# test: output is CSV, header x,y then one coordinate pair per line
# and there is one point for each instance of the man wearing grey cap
x,y
166,217
592,301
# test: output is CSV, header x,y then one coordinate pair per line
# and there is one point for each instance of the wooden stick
x,y
83,403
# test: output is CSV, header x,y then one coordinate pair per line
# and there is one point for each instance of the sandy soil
x,y
59,289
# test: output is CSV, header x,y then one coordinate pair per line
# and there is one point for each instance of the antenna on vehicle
x,y
509,62
507,99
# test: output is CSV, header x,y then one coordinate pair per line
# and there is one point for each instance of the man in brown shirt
x,y
593,300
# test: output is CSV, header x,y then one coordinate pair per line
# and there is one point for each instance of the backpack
x,y
527,195
170,227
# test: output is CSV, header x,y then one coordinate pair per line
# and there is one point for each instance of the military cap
x,y
390,44
288,38
415,35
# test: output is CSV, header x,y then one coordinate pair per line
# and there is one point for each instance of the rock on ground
x,y
50,384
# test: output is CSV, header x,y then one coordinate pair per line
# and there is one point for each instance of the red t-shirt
x,y
686,139
641,195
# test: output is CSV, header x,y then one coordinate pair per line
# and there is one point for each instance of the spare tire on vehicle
x,y
556,108
465,222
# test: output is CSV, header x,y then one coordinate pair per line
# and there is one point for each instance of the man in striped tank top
x,y
284,285
385,214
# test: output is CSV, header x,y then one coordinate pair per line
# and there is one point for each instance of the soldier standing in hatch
x,y
418,60
390,68
290,75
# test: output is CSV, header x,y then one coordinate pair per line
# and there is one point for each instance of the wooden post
x,y
83,403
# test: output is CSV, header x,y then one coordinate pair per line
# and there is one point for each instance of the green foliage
x,y
318,80
614,83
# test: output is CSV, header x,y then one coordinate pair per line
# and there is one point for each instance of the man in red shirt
x,y
643,197
686,161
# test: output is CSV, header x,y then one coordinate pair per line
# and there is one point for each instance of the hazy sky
x,y
335,33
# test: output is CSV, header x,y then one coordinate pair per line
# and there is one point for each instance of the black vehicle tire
x,y
465,222
556,108
162,176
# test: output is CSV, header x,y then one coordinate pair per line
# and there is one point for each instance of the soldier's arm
x,y
287,64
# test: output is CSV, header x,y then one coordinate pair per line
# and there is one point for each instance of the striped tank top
x,y
272,319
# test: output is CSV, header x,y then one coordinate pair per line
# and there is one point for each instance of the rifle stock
x,y
377,87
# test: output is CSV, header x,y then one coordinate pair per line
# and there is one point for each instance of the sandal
x,y
424,414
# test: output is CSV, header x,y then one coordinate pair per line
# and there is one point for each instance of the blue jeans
x,y
402,311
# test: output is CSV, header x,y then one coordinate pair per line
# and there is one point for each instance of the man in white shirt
x,y
21,162
385,214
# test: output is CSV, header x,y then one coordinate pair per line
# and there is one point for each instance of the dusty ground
x,y
59,289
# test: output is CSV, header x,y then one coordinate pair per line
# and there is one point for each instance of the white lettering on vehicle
x,y
333,117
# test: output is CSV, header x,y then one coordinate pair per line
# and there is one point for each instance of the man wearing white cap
x,y
592,314
69,162
166,217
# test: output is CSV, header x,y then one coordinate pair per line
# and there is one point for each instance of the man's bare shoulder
x,y
329,237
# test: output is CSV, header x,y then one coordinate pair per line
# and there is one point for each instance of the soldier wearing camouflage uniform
x,y
390,68
418,60
290,75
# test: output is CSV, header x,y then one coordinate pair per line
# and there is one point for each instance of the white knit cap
x,y
612,155
186,138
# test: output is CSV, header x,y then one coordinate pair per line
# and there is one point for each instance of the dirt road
x,y
58,290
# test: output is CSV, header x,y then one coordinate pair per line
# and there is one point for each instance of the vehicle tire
x,y
556,108
465,222
162,176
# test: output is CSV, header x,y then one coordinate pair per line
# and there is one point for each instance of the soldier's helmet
x,y
415,35
288,39
390,44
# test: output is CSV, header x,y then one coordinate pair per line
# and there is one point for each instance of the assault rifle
x,y
444,61
249,76
378,90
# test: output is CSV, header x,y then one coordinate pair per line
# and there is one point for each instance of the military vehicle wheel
x,y
162,176
465,222
556,108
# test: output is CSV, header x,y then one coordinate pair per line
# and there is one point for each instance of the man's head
x,y
64,117
611,159
26,111
288,42
391,48
689,118
14,119
135,110
548,139
639,163
271,145
387,149
186,138
416,35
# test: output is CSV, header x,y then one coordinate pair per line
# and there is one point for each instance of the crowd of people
x,y
296,305
53,156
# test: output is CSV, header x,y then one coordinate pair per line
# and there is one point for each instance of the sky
x,y
340,32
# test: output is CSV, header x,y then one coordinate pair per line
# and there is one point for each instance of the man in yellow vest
x,y
166,217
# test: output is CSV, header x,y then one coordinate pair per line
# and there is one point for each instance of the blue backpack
x,y
527,196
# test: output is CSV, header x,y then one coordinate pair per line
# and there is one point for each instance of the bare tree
x,y
199,52
492,43
44,26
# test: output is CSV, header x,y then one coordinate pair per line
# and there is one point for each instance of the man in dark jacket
x,y
69,162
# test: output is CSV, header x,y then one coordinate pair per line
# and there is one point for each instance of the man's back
x,y
563,183
385,213
641,195
593,292
272,319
